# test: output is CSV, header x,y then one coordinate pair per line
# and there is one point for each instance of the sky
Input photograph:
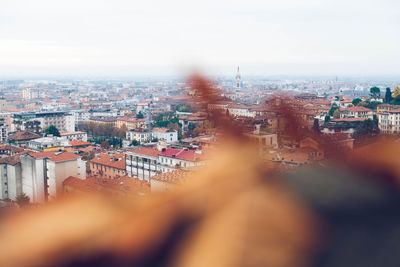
x,y
152,37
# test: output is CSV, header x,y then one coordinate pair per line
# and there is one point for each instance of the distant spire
x,y
238,78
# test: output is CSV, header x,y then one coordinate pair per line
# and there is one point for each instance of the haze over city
x,y
155,38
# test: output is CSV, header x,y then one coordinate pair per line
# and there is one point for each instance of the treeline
x,y
102,129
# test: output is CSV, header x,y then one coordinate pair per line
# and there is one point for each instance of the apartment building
x,y
38,121
142,163
44,172
356,112
389,121
108,166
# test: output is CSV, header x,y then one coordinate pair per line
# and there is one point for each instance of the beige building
x,y
389,122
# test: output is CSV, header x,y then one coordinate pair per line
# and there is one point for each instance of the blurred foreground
x,y
233,212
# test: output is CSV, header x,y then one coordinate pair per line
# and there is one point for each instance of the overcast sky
x,y
147,37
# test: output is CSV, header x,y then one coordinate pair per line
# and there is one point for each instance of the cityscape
x,y
199,134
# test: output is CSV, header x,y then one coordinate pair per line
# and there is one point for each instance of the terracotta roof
x,y
188,155
40,155
77,143
146,151
115,161
12,160
65,156
174,177
11,148
23,135
357,109
123,185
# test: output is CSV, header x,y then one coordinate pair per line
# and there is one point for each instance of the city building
x,y
44,172
164,134
389,121
108,166
82,136
142,163
356,112
37,122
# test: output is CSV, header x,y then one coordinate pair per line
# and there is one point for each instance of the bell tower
x,y
238,79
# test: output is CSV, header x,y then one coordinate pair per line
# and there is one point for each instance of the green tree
x,y
336,114
140,115
191,126
22,199
388,95
327,118
356,101
368,128
135,143
375,92
396,100
332,110
52,130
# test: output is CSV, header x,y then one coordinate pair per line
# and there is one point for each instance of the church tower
x,y
238,79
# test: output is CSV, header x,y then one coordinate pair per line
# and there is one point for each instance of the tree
x,y
336,114
332,110
368,128
22,199
375,92
327,118
396,92
388,95
356,101
396,100
135,143
191,126
52,130
140,115
316,126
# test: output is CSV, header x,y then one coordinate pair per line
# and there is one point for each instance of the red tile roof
x,y
65,156
188,155
78,143
40,155
146,151
114,161
23,135
358,109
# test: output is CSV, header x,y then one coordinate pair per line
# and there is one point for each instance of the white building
x,y
164,134
44,172
43,143
240,111
389,121
10,177
140,136
147,162
81,136
356,112
142,163
41,120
